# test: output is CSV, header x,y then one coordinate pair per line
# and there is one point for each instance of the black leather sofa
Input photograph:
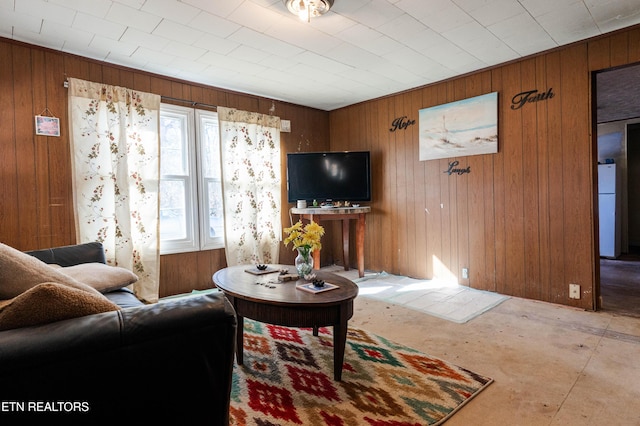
x,y
164,363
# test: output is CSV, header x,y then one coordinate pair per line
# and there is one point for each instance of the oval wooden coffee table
x,y
263,298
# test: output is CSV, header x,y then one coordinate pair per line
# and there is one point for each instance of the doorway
x,y
617,110
620,284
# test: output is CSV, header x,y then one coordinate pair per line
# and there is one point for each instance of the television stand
x,y
345,214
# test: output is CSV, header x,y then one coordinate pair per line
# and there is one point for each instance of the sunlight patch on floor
x,y
442,298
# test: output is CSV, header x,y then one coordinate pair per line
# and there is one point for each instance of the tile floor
x,y
552,365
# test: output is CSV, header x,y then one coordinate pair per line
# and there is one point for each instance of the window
x,y
191,211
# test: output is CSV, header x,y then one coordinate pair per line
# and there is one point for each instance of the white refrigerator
x,y
610,203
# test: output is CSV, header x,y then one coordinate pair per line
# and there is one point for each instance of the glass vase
x,y
304,261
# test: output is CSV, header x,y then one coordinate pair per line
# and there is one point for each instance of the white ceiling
x,y
360,50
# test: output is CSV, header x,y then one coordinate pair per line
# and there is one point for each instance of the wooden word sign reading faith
x,y
531,96
401,123
453,170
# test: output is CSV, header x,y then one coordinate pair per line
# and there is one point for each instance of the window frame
x,y
207,242
196,208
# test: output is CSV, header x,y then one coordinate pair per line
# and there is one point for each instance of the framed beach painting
x,y
456,129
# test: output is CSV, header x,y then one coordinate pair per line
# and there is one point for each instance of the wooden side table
x,y
345,214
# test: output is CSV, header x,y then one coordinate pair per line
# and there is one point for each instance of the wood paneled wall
x,y
523,221
35,182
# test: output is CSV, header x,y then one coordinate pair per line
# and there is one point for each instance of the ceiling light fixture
x,y
307,9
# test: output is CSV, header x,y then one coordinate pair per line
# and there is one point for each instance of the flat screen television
x,y
322,176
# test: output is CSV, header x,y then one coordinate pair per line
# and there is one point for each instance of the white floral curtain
x,y
115,159
250,144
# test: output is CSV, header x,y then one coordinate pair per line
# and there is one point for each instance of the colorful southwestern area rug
x,y
287,379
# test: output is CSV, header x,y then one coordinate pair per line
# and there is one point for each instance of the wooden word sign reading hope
x,y
401,123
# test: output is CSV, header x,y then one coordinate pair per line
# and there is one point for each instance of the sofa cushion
x,y
19,272
124,298
102,277
49,302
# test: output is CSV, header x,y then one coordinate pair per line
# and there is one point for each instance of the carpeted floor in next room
x,y
551,364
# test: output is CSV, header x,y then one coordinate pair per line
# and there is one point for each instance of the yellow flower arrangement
x,y
306,237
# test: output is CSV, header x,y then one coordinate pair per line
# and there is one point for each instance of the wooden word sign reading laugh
x,y
455,170
522,98
401,123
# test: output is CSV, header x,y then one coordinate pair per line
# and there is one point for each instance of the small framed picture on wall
x,y
47,126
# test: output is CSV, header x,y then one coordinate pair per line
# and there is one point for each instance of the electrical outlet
x,y
574,291
465,273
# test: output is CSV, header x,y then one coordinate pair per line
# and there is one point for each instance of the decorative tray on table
x,y
312,288
261,269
